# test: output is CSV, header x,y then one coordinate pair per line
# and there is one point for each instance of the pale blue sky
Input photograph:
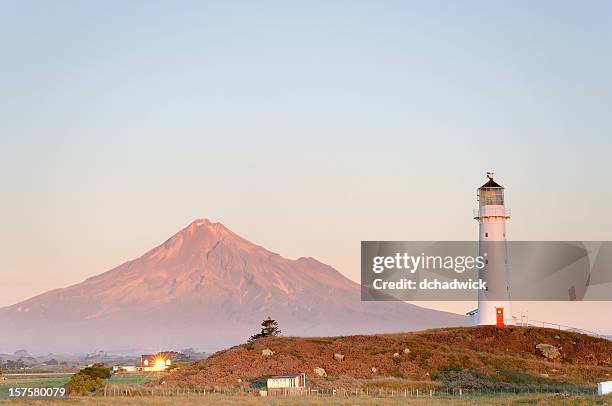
x,y
305,127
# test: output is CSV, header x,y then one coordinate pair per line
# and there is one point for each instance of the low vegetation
x,y
471,359
506,381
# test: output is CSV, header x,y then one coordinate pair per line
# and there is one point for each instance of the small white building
x,y
289,384
125,368
604,388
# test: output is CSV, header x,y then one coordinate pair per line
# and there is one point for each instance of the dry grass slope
x,y
487,358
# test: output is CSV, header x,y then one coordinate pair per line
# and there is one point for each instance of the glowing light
x,y
160,363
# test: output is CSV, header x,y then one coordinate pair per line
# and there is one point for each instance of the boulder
x,y
396,355
338,357
548,351
267,352
320,371
406,350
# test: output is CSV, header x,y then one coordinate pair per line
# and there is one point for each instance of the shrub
x,y
455,378
88,380
505,381
97,371
83,384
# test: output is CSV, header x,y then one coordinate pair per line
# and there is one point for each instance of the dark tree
x,y
269,328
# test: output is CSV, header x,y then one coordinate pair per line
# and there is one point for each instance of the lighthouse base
x,y
493,314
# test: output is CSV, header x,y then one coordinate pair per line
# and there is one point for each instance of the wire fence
x,y
525,322
141,391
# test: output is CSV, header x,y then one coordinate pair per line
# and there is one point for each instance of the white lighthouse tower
x,y
494,302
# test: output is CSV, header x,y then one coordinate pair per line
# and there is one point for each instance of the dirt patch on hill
x,y
442,357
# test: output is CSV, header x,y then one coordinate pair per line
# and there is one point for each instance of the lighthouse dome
x,y
491,184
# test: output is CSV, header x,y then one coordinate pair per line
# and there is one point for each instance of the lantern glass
x,y
491,196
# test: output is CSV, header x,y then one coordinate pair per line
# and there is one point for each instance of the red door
x,y
500,316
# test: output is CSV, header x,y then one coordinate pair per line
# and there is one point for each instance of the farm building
x,y
289,384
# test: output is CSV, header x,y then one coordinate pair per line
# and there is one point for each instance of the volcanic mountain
x,y
208,288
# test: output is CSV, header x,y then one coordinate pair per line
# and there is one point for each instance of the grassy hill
x,y
481,358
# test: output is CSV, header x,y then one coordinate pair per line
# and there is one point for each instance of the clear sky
x,y
306,127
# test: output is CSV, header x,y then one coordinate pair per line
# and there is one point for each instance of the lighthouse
x,y
492,215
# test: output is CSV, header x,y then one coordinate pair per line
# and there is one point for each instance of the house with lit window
x,y
162,361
